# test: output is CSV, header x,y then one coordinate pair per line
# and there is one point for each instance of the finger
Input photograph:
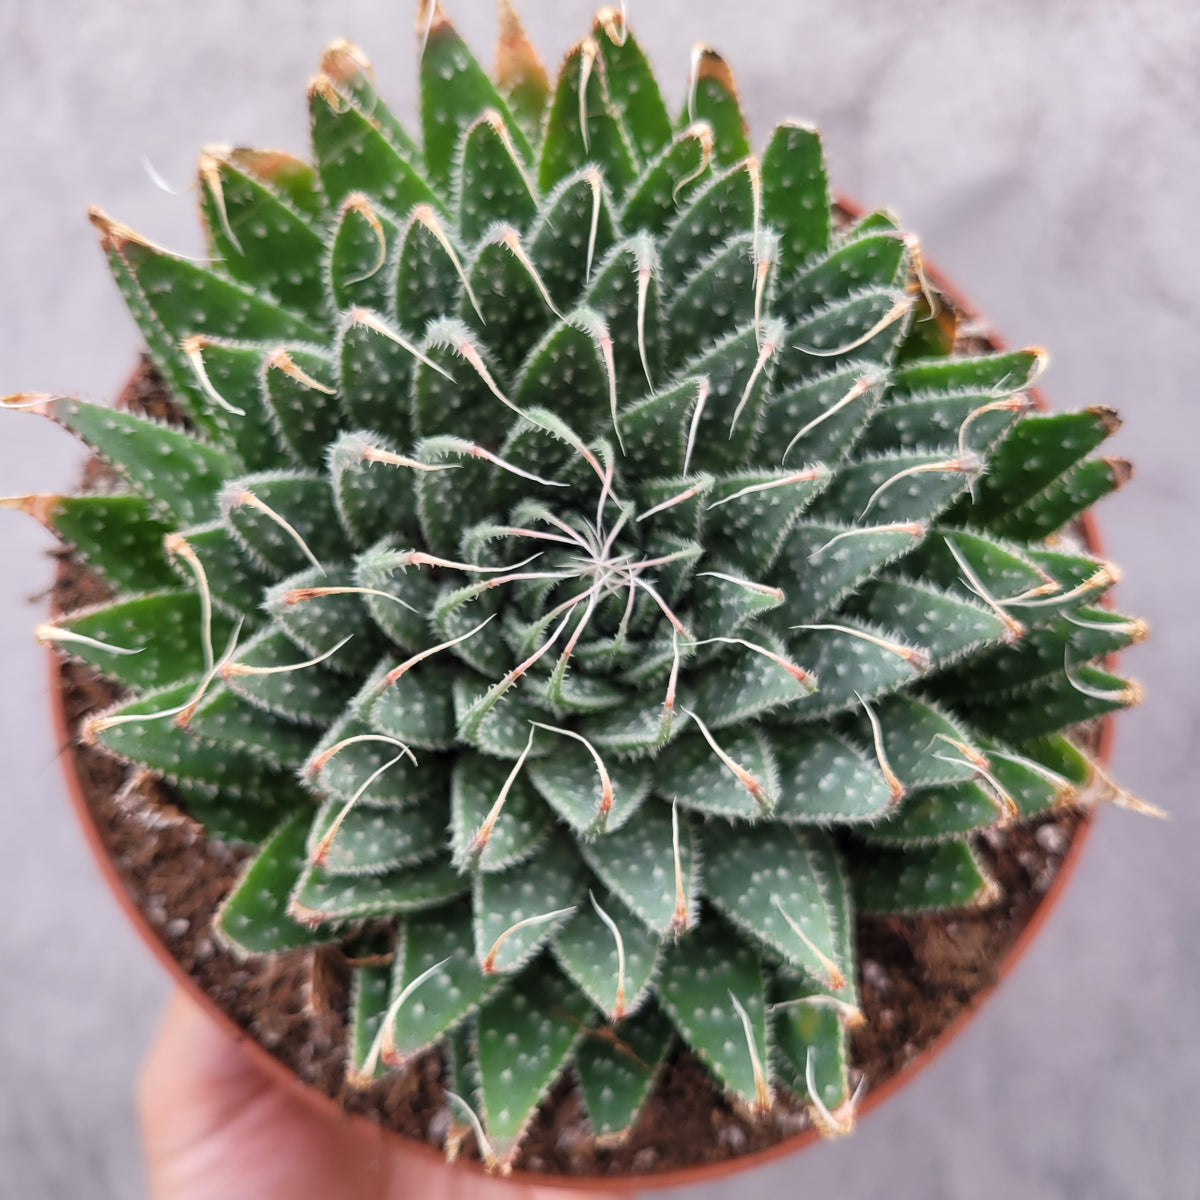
x,y
214,1125
191,1079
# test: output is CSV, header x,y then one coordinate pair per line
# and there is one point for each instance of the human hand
x,y
216,1127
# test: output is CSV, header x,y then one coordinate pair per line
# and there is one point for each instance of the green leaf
x,y
1062,756
1040,653
492,183
690,771
865,328
870,262
718,298
455,89
719,605
178,474
739,374
587,950
310,695
723,208
771,883
1033,787
301,393
351,72
288,175
526,1035
428,279
633,89
667,182
454,399
617,1071
582,125
452,993
172,298
485,649
825,778
418,708
1053,704
938,814
561,239
370,992
354,154
654,430
823,563
918,878
550,882
164,628
629,272
401,785
229,816
939,622
236,581
638,863
894,489
1080,579
1002,374
372,841
234,372
936,424
566,374
458,1060
813,1031
375,499
795,193
846,667
749,514
510,309
254,918
520,75
159,744
375,367
226,720
520,831
318,624
1003,571
187,298
363,241
833,407
320,898
914,736
303,500
579,693
714,99
1038,451
701,973
504,729
1068,496
931,334
261,237
743,684
569,782
116,535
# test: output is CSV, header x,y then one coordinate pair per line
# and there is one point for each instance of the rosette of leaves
x,y
588,569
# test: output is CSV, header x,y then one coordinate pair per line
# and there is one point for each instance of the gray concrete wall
x,y
1049,155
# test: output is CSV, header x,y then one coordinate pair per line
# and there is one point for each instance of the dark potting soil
x,y
918,974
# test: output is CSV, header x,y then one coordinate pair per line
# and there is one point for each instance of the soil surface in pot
x,y
918,974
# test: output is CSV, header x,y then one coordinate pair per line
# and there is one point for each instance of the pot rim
x,y
706,1172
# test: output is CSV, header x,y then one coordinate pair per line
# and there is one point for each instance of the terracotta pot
x,y
629,1183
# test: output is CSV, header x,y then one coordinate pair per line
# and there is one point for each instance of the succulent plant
x,y
588,568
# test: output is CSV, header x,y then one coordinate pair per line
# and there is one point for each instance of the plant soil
x,y
918,974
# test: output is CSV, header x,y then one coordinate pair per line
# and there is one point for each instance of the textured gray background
x,y
1048,153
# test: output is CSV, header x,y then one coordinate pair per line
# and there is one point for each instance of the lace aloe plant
x,y
588,568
